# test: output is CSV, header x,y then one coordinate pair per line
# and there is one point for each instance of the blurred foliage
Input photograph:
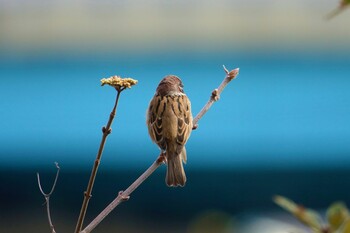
x,y
212,221
337,216
341,7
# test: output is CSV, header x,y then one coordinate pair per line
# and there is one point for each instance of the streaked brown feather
x,y
180,107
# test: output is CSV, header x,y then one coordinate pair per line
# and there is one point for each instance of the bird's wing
x,y
181,107
154,120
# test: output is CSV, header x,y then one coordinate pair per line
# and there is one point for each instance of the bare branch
x,y
106,130
125,195
54,183
215,95
48,195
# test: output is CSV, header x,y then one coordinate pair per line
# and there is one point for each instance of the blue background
x,y
284,110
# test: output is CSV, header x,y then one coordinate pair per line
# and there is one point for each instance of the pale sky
x,y
158,24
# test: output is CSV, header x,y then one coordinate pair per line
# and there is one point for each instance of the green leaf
x,y
345,2
345,228
307,216
337,214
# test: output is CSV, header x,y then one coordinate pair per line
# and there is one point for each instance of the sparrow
x,y
169,121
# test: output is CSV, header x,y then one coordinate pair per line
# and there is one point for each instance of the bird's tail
x,y
175,175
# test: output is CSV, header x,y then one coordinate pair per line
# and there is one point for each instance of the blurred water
x,y
285,109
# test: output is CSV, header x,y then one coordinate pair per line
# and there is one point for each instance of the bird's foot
x,y
162,158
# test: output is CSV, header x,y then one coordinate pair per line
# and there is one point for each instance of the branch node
x,y
105,131
123,198
87,195
233,74
215,95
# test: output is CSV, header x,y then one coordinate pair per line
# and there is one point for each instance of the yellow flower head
x,y
118,83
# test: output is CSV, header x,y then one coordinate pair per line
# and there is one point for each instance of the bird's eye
x,y
181,87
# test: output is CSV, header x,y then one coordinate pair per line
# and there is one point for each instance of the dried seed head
x,y
118,83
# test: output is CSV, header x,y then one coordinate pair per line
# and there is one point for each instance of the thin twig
x,y
48,195
106,130
215,95
125,195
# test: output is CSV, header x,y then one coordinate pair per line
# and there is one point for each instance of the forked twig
x,y
48,195
125,195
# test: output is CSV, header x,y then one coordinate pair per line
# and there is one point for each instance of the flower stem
x,y
106,130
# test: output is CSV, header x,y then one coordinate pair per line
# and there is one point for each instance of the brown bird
x,y
169,121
